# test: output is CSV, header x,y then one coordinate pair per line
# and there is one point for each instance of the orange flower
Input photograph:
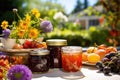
x,y
23,25
36,13
28,18
21,33
4,24
33,33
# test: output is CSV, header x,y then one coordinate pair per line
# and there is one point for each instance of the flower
x,y
60,16
19,72
46,26
30,26
6,33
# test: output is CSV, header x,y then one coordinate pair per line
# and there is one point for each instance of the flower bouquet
x,y
9,71
31,26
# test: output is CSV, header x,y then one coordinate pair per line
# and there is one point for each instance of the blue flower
x,y
46,26
19,72
6,33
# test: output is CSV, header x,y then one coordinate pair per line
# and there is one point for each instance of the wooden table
x,y
86,73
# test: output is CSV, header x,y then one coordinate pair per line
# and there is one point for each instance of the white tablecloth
x,y
86,73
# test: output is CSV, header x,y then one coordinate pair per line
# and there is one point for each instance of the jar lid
x,y
40,52
56,42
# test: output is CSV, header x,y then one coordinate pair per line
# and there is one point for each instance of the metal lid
x,y
40,52
56,42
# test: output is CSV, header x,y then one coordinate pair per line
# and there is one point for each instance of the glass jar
x,y
54,45
18,57
71,58
39,60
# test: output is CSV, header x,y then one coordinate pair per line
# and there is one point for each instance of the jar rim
x,y
72,49
56,42
40,52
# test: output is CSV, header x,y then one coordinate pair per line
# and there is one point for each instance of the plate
x,y
88,63
19,50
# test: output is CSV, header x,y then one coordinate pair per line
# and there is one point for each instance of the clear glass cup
x,y
72,60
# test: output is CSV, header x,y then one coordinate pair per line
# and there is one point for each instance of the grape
x,y
110,55
110,63
99,65
105,59
106,70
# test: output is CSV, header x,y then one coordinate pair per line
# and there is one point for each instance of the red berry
x,y
1,70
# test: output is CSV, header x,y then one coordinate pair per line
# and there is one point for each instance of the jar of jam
x,y
54,46
18,57
39,60
71,58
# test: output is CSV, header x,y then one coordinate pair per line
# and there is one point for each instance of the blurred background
x,y
81,22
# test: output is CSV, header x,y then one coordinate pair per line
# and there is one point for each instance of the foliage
x,y
112,17
98,35
78,7
30,26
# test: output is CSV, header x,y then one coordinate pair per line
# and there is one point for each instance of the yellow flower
x,y
21,33
23,25
28,18
4,24
33,33
36,13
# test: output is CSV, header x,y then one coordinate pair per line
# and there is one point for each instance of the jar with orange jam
x,y
71,58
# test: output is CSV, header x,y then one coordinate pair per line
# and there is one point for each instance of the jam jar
x,y
16,57
39,60
54,46
71,58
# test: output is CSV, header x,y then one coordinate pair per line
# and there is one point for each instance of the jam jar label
x,y
39,63
42,64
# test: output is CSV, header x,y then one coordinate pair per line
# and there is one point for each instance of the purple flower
x,y
2,53
6,33
19,72
46,26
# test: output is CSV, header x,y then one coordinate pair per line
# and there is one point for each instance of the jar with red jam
x,y
71,58
39,60
54,46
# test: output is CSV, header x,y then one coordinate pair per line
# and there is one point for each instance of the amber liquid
x,y
71,62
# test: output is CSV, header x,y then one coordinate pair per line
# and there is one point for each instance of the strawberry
x,y
27,44
33,44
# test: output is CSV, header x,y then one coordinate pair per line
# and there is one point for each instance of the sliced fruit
x,y
84,56
91,49
17,46
93,58
101,53
110,49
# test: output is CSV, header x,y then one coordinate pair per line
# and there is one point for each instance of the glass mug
x,y
71,58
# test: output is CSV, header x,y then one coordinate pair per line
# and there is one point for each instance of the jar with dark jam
x,y
39,60
54,46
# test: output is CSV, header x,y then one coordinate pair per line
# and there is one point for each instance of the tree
x,y
85,4
78,7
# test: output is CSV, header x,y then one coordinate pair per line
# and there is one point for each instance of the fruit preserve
x,y
18,57
54,45
71,58
39,60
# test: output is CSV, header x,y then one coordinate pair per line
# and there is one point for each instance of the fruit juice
x,y
71,58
